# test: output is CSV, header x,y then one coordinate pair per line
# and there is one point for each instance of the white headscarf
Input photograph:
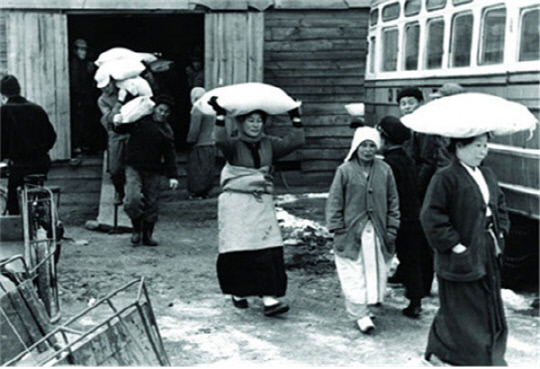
x,y
363,134
196,94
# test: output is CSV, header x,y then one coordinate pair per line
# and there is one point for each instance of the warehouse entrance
x,y
174,37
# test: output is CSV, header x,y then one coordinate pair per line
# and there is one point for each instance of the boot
x,y
148,230
137,231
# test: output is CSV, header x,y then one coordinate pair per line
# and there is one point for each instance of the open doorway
x,y
175,37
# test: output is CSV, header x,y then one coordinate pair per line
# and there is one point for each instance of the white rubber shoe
x,y
366,325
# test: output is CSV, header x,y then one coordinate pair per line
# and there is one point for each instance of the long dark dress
x,y
258,270
469,327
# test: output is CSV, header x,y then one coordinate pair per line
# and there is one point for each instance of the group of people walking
x,y
427,198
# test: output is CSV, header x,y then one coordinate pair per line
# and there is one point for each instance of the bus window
x,y
529,35
492,36
435,4
412,7
435,38
412,37
390,49
373,17
390,12
372,49
460,47
459,2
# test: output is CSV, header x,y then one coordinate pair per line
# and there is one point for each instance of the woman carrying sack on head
x,y
362,211
250,261
465,220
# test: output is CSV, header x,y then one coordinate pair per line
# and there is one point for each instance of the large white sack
x,y
120,69
470,114
136,86
135,109
243,98
117,53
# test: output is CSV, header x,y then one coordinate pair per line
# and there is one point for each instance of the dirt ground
x,y
200,326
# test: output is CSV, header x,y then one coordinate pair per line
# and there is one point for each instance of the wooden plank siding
x,y
3,44
38,57
318,57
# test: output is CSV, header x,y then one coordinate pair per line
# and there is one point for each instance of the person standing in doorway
x,y
27,135
85,130
202,156
362,211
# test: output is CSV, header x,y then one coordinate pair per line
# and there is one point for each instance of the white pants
x,y
363,280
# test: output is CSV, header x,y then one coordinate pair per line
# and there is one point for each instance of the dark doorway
x,y
173,37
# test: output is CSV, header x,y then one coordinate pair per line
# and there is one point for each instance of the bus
x,y
489,46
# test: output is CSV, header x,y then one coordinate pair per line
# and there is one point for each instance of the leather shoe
x,y
412,311
240,304
276,309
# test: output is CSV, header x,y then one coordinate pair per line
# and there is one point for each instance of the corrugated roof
x,y
183,4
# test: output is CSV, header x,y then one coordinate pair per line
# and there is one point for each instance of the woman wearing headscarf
x,y
250,261
362,211
465,220
201,158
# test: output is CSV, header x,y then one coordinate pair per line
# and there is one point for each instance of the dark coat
x,y
150,146
27,135
454,212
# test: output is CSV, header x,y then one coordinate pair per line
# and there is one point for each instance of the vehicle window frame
x,y
389,6
406,26
436,6
522,15
407,2
384,48
374,20
429,22
482,42
453,34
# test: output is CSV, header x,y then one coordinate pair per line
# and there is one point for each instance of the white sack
x,y
356,109
135,109
136,86
470,114
117,53
245,97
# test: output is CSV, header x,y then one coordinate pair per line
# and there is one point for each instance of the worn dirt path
x,y
200,327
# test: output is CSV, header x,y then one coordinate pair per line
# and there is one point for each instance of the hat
x,y
10,86
410,92
394,130
448,89
363,134
163,99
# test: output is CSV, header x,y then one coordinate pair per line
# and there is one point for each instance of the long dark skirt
x,y
200,169
470,326
252,273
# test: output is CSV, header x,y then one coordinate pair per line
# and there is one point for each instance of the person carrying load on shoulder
x,y
149,152
250,260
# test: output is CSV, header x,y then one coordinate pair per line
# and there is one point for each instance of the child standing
x,y
362,211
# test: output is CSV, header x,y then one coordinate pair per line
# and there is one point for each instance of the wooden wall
x,y
3,43
318,57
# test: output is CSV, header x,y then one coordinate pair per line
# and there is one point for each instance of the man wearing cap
x,y
149,153
27,135
85,132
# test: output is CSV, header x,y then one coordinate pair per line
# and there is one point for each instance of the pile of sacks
x,y
123,67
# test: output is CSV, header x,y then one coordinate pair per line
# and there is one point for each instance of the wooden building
x,y
314,49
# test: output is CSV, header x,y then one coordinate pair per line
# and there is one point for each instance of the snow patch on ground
x,y
514,301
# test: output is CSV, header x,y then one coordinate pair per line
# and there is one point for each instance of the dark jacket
x,y
454,212
27,135
404,172
150,146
